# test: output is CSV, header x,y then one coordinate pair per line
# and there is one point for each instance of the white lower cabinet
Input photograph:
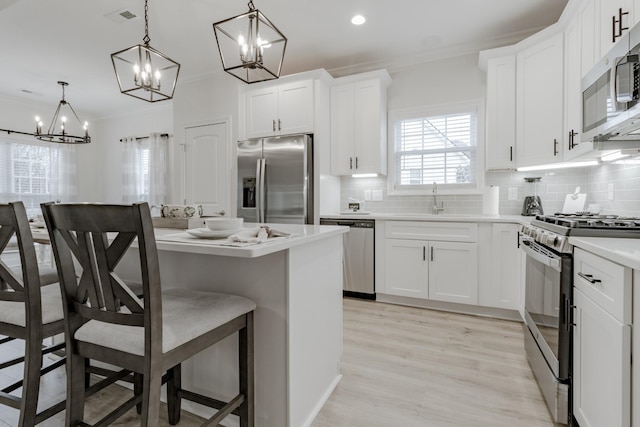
x,y
500,276
601,342
453,272
431,269
440,271
406,268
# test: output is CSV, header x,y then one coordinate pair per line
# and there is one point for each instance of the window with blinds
x,y
435,148
35,173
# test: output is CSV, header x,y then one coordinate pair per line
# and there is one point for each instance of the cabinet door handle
x,y
620,27
424,253
279,125
572,139
518,240
350,162
511,153
431,253
589,278
555,147
356,162
273,125
614,36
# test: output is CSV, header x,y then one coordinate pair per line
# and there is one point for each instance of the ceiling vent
x,y
121,15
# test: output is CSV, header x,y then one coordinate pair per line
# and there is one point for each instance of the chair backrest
x,y
13,286
88,242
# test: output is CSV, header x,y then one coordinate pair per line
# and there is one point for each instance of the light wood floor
x,y
406,367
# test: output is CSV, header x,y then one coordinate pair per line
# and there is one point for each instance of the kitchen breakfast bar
x,y
296,283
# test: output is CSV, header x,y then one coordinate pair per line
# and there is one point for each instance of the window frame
x,y
474,105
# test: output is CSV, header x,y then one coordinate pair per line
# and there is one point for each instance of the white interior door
x,y
207,168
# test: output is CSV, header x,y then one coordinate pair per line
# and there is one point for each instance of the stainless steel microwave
x,y
610,94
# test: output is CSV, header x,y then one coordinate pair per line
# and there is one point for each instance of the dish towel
x,y
257,235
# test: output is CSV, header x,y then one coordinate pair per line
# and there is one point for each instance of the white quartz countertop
x,y
430,217
622,251
176,240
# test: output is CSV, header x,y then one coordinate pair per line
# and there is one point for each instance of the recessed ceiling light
x,y
358,20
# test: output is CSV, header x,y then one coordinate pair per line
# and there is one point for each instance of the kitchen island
x,y
296,283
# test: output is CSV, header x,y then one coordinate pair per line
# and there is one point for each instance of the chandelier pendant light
x,y
61,129
143,72
251,47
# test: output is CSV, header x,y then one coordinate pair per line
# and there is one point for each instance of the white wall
x,y
99,163
440,82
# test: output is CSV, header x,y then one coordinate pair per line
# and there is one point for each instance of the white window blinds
x,y
35,173
438,148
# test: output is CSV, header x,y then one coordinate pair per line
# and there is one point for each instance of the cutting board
x,y
574,203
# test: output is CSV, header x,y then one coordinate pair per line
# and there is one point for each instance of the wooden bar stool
x,y
31,310
106,321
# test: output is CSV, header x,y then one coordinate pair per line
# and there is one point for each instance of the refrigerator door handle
x,y
258,195
262,164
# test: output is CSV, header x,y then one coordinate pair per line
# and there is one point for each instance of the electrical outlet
x,y
377,195
367,195
611,190
513,193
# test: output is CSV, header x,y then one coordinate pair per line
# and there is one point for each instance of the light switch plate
x,y
513,193
377,195
367,195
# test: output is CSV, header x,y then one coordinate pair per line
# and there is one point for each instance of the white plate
x,y
205,233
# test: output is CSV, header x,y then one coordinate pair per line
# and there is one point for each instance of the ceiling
x,y
43,41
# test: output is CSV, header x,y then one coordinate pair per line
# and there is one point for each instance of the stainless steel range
x,y
549,296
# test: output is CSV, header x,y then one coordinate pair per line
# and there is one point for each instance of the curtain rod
x,y
140,138
9,131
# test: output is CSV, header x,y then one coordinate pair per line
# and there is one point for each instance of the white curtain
x,y
36,172
158,146
63,172
144,169
132,176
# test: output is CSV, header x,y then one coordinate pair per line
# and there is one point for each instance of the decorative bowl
x,y
222,223
180,211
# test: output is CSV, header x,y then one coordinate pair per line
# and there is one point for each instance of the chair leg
x,y
137,389
87,373
76,371
173,399
246,367
152,382
31,382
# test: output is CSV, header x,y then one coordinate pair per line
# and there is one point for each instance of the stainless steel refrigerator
x,y
275,180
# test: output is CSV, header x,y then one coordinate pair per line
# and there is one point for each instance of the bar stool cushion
x,y
51,300
186,314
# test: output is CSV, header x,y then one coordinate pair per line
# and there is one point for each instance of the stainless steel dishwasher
x,y
358,256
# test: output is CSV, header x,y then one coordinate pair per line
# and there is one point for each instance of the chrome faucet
x,y
436,209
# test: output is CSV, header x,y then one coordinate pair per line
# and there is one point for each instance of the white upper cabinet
x,y
602,22
501,113
282,109
571,147
539,102
359,124
616,18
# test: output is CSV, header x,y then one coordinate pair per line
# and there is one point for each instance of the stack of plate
x,y
217,228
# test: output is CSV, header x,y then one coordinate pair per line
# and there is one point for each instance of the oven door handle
x,y
544,259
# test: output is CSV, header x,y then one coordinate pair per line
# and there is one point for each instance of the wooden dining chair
x,y
30,310
106,321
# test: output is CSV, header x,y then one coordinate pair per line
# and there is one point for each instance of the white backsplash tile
x,y
552,189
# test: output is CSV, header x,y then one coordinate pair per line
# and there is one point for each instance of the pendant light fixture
x,y
63,130
251,47
144,72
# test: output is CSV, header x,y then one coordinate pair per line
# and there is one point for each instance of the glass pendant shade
x,y
63,128
251,47
145,73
